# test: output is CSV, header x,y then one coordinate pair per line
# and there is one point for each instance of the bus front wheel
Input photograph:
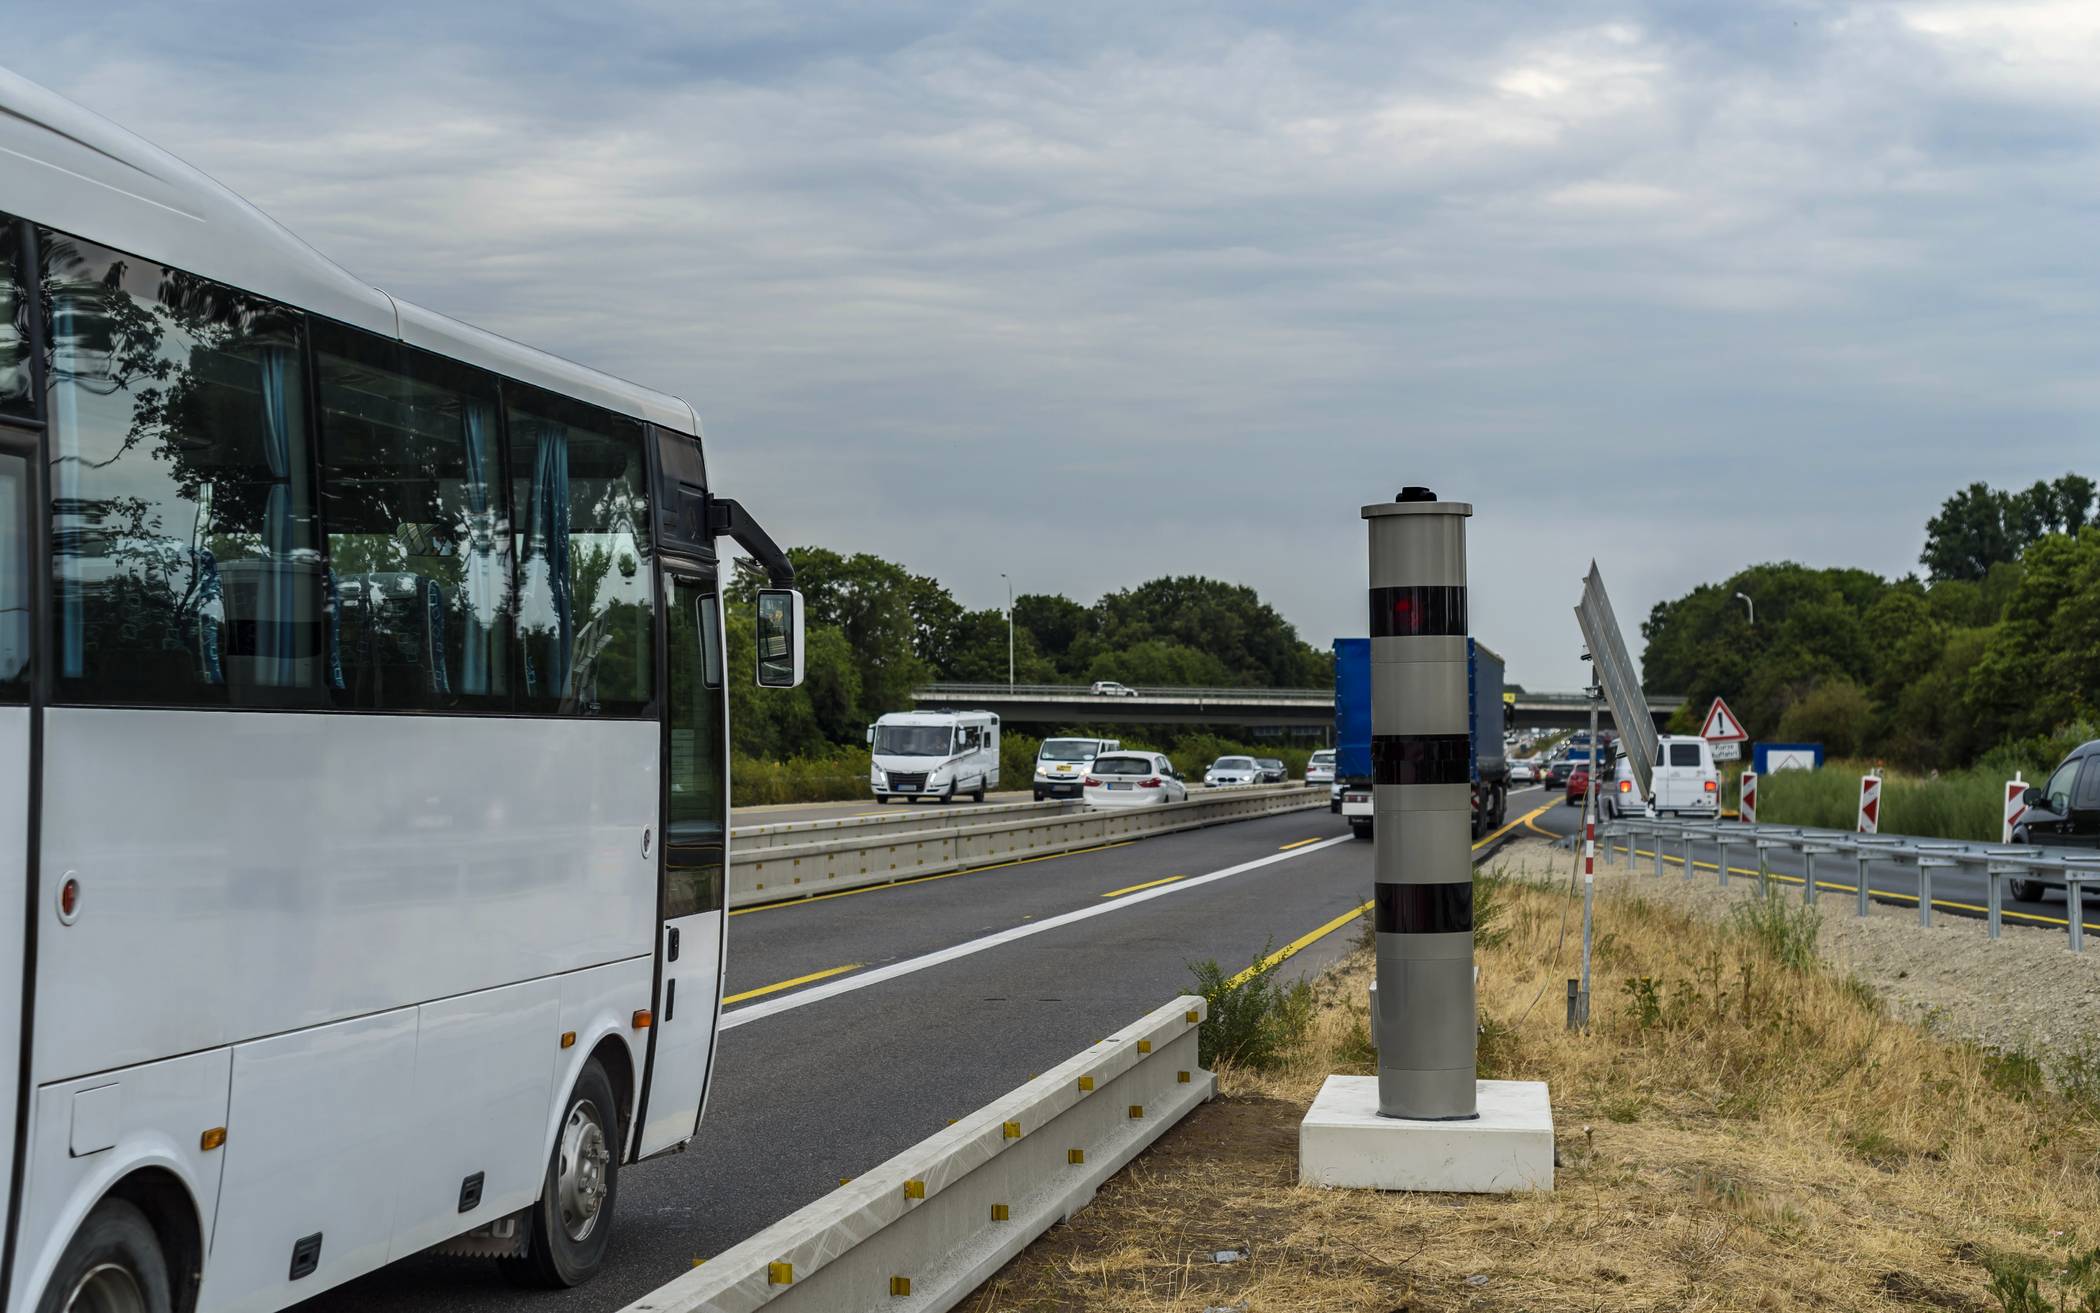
x,y
113,1262
572,1222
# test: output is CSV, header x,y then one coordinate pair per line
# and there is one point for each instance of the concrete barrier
x,y
924,1229
904,819
890,849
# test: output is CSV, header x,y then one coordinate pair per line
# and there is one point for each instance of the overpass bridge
x,y
1280,708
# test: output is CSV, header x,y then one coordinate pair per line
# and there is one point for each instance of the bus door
x,y
695,849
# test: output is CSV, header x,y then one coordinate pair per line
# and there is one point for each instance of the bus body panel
x,y
256,873
14,891
685,1032
482,1104
158,1113
597,1004
318,1131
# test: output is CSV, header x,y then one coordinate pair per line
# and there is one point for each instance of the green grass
x,y
1955,805
1254,1020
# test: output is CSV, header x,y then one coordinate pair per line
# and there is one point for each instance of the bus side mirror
x,y
871,736
779,638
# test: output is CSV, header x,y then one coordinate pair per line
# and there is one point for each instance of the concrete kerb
x,y
924,1229
882,857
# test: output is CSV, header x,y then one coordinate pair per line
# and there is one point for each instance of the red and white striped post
x,y
1869,804
2015,804
1746,804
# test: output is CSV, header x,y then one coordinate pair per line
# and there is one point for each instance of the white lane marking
x,y
789,1002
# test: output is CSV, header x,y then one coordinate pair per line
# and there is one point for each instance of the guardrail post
x,y
1931,857
2077,871
1809,853
1721,841
1658,840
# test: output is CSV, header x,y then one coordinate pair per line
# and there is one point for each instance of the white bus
x,y
364,743
933,754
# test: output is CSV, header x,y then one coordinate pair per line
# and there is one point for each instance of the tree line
x,y
1997,643
875,630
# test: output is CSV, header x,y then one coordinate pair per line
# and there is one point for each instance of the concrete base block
x,y
1509,1147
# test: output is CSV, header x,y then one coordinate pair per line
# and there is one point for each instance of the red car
x,y
1578,785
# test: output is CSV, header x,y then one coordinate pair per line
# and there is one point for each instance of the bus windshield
x,y
913,740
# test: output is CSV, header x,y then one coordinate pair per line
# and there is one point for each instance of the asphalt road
x,y
1956,892
811,1085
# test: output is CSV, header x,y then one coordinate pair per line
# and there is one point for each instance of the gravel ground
x,y
2024,992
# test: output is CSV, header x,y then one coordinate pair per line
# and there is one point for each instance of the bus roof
x,y
932,717
76,172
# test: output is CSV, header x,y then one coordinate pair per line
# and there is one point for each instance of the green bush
x,y
1785,931
1254,1020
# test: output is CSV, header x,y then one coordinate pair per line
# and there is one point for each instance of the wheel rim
x,y
584,1173
106,1288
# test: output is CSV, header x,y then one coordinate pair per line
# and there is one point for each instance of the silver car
x,y
1230,772
1319,768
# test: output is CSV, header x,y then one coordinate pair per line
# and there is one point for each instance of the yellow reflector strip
x,y
780,1274
915,1189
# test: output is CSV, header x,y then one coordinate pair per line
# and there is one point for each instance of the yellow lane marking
x,y
1301,843
1305,941
1149,884
2008,914
1524,820
1298,945
764,990
922,879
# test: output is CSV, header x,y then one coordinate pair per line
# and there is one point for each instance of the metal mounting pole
x,y
1589,853
1421,757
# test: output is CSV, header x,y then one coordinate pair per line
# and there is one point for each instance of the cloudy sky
x,y
1092,292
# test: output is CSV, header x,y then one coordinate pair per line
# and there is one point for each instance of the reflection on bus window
x,y
183,542
419,539
586,595
15,397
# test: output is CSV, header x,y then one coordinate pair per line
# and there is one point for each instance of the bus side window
x,y
418,524
186,565
586,593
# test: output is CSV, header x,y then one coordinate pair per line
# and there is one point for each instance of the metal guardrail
x,y
887,849
926,1228
1999,864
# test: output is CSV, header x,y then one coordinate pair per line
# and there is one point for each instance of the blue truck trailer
x,y
1352,735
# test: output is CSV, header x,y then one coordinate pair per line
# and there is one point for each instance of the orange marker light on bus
x,y
212,1139
642,1018
568,1039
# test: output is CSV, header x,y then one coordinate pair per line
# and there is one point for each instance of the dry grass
x,y
1733,1135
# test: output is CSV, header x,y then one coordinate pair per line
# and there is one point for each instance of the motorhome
x,y
934,754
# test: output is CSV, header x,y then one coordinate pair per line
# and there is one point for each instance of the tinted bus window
x,y
418,522
184,557
16,400
586,599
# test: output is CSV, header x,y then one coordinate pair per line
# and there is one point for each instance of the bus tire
x,y
113,1261
572,1222
977,794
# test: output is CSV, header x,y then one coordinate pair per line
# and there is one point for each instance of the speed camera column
x,y
1421,754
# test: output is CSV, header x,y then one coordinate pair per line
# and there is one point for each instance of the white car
x,y
1319,768
1229,772
1132,779
1523,771
1109,688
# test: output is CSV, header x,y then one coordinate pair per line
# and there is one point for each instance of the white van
x,y
1685,781
1060,765
934,754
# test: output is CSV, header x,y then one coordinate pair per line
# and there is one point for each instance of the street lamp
x,y
1009,633
1744,598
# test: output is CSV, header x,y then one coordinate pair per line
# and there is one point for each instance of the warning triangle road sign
x,y
1722,726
